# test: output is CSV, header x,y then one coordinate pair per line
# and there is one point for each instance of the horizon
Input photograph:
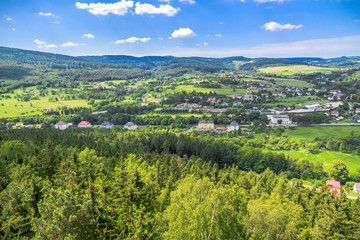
x,y
184,28
141,56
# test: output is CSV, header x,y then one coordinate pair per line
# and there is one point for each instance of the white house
x,y
61,125
279,119
357,187
233,126
130,126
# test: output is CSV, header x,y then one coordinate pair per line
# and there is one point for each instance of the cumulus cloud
x,y
168,10
183,33
275,27
132,40
38,42
188,1
118,8
205,44
46,14
88,35
47,46
69,44
218,35
9,19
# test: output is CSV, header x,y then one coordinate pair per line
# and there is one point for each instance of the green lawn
x,y
352,161
323,131
295,69
292,82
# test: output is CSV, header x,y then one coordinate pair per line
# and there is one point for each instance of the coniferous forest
x,y
154,184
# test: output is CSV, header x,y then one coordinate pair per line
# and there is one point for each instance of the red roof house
x,y
334,187
84,124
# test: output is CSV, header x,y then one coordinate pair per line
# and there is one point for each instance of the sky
x,y
208,28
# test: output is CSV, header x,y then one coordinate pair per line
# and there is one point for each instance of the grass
x,y
326,157
224,90
294,69
323,132
292,82
14,108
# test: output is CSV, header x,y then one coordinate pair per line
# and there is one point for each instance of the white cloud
x,y
218,35
205,44
357,20
47,46
188,1
69,44
265,1
38,42
221,23
167,9
46,14
88,35
132,40
183,33
275,27
9,19
118,8
161,38
57,22
13,29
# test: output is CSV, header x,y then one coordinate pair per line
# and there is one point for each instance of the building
x,y
107,124
206,125
233,126
84,124
279,119
130,126
357,188
62,125
334,186
221,129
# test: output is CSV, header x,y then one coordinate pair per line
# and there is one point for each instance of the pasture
x,y
323,132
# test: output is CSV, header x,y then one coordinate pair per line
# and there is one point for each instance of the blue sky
x,y
213,28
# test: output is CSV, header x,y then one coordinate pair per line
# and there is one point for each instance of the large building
x,y
206,125
233,126
279,119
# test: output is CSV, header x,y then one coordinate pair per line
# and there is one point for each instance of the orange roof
x,y
84,123
220,128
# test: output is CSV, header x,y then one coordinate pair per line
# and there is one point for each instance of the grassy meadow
x,y
294,69
323,132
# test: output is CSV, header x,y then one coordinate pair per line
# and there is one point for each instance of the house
x,y
334,113
107,124
206,125
130,126
334,186
84,124
221,129
62,125
357,188
279,119
233,126
47,110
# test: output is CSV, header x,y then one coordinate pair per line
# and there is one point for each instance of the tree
x,y
338,171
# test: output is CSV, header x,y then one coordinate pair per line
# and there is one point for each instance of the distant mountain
x,y
169,64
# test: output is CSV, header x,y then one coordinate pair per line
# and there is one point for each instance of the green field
x,y
326,157
292,82
294,69
14,108
323,132
224,90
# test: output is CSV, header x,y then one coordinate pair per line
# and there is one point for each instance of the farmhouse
x,y
206,125
84,124
279,119
357,188
130,126
107,124
62,125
